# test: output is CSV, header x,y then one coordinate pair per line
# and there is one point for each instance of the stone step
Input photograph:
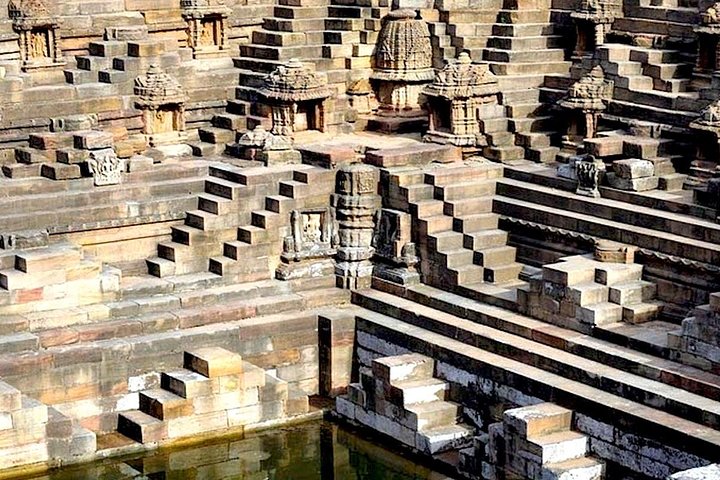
x,y
540,42
485,239
632,292
529,67
502,274
462,190
672,400
405,367
522,56
453,259
445,241
559,446
406,392
141,427
434,224
164,405
637,216
475,222
456,208
538,420
605,352
437,440
465,275
495,256
427,415
585,468
641,312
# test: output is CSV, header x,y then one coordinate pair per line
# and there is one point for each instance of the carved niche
x,y
161,99
206,26
37,28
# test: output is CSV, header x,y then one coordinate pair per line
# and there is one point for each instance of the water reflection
x,y
312,451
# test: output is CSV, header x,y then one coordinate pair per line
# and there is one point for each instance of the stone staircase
x,y
458,239
314,32
260,198
650,84
539,444
399,397
472,337
262,236
469,27
215,391
581,293
524,47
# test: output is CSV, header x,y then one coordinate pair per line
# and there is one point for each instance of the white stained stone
x,y
5,421
633,168
710,472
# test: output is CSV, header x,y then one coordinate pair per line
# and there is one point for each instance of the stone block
x,y
538,419
710,472
633,168
633,185
403,367
421,154
197,424
10,398
60,171
93,140
213,362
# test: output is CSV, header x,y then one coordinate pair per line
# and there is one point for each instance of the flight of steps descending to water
x,y
399,397
478,344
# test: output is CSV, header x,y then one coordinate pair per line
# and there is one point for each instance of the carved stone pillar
x,y
355,203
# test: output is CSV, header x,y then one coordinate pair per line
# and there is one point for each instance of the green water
x,y
311,451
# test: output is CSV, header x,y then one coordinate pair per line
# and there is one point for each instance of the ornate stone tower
x,y
37,28
593,19
403,66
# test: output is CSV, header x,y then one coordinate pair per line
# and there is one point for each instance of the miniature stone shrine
x,y
458,99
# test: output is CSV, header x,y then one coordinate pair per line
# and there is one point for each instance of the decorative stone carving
x,y
589,171
593,20
355,203
308,250
37,28
105,167
403,63
456,100
207,26
161,99
298,98
708,34
607,251
394,249
697,343
271,149
707,147
586,99
361,98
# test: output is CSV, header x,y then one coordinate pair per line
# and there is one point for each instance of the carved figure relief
x,y
106,167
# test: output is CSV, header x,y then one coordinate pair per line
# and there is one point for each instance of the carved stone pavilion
x,y
456,99
485,233
161,99
298,99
